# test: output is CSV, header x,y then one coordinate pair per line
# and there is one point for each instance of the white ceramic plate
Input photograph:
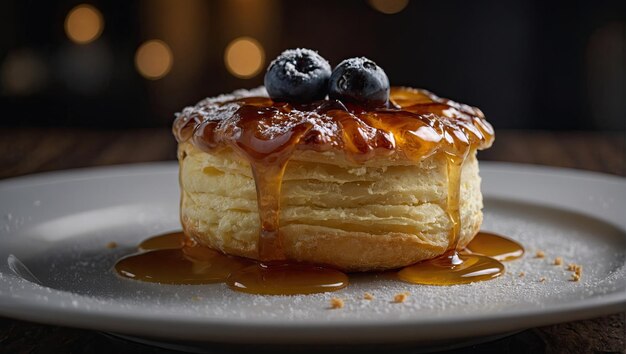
x,y
55,267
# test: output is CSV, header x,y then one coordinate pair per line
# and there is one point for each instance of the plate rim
x,y
338,331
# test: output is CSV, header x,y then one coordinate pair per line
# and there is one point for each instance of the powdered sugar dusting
x,y
357,62
291,56
235,95
217,108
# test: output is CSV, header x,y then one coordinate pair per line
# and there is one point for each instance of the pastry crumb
x,y
542,280
575,277
336,303
368,296
558,261
401,297
112,245
576,268
540,254
571,266
521,274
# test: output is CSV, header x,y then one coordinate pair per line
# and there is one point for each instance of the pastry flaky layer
x,y
352,217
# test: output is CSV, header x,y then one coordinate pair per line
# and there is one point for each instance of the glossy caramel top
x,y
416,125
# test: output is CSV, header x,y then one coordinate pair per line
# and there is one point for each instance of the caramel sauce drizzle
x,y
268,160
287,278
453,199
452,267
417,124
494,246
170,259
173,258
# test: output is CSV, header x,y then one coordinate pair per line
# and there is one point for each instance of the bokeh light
x,y
84,24
389,7
23,72
244,57
154,59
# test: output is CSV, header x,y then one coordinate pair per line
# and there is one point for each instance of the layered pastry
x,y
331,167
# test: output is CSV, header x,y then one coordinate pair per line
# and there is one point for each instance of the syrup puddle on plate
x,y
172,259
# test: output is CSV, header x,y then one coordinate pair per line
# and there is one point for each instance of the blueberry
x,y
359,80
297,75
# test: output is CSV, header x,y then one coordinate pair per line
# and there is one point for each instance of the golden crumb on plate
x,y
401,297
521,274
558,261
112,245
571,266
540,254
336,303
578,269
368,296
542,279
575,277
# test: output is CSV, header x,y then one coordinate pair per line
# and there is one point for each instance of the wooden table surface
x,y
26,151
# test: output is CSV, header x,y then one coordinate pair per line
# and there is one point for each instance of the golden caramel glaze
x,y
416,125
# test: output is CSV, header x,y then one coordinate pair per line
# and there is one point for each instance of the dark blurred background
x,y
528,64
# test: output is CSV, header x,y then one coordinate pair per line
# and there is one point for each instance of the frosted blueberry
x,y
359,80
297,75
